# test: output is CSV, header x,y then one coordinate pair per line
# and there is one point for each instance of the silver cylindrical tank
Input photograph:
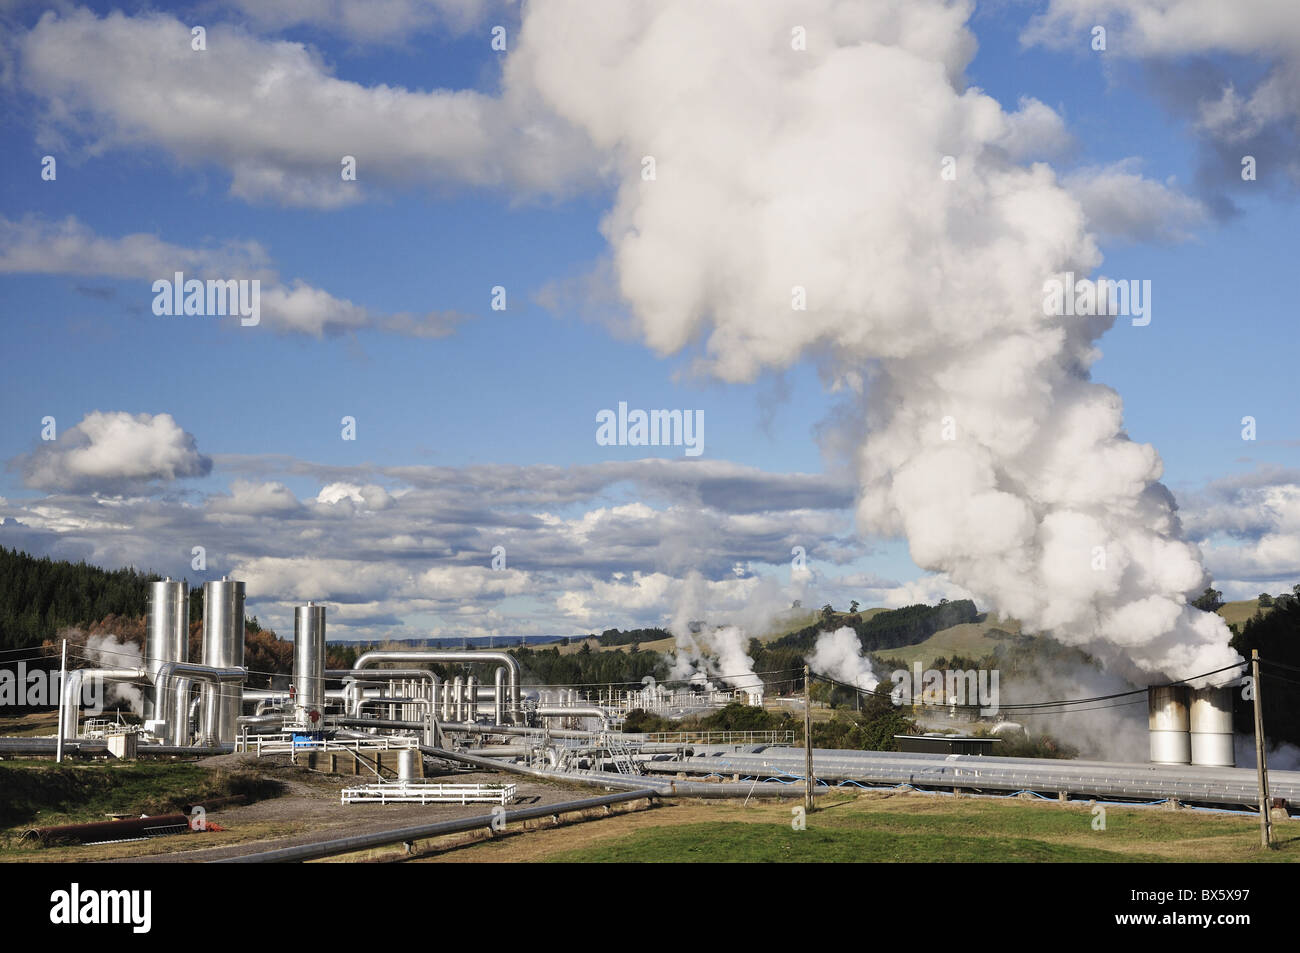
x,y
167,635
1170,724
309,665
223,647
1211,727
406,764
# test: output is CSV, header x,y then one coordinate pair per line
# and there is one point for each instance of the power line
x,y
1032,707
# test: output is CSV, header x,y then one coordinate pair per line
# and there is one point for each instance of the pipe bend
x,y
70,695
514,672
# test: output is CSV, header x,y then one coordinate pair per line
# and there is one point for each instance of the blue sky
x,y
521,388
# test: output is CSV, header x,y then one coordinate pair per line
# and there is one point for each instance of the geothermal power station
x,y
390,699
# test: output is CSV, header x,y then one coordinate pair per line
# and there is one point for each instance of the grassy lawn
x,y
752,843
893,827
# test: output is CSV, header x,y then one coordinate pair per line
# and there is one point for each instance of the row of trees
x,y
1276,635
585,667
632,636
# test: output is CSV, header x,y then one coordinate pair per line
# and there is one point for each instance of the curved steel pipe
x,y
351,678
70,700
171,674
513,672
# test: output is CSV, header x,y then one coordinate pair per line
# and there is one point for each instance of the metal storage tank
x,y
406,765
309,665
1169,724
1211,727
167,635
223,647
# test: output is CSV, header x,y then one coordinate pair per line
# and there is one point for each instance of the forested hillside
x,y
39,596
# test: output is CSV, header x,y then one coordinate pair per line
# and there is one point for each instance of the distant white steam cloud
x,y
839,655
709,652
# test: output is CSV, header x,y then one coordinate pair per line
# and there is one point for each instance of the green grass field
x,y
918,828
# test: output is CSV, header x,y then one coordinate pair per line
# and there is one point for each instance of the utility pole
x,y
63,687
1265,822
807,743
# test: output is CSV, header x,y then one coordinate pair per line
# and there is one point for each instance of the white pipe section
x,y
576,711
257,720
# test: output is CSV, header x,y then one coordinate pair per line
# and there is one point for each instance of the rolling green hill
x,y
1236,613
969,640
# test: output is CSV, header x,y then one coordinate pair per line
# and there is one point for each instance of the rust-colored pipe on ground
x,y
109,830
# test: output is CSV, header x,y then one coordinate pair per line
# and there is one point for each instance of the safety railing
x,y
287,744
418,792
716,737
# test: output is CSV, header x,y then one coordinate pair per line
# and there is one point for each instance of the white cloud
x,y
248,498
110,451
276,118
1120,203
1249,530
1170,27
1255,111
403,550
370,496
69,247
1035,131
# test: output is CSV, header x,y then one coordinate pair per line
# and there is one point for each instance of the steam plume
x,y
839,655
110,652
984,441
